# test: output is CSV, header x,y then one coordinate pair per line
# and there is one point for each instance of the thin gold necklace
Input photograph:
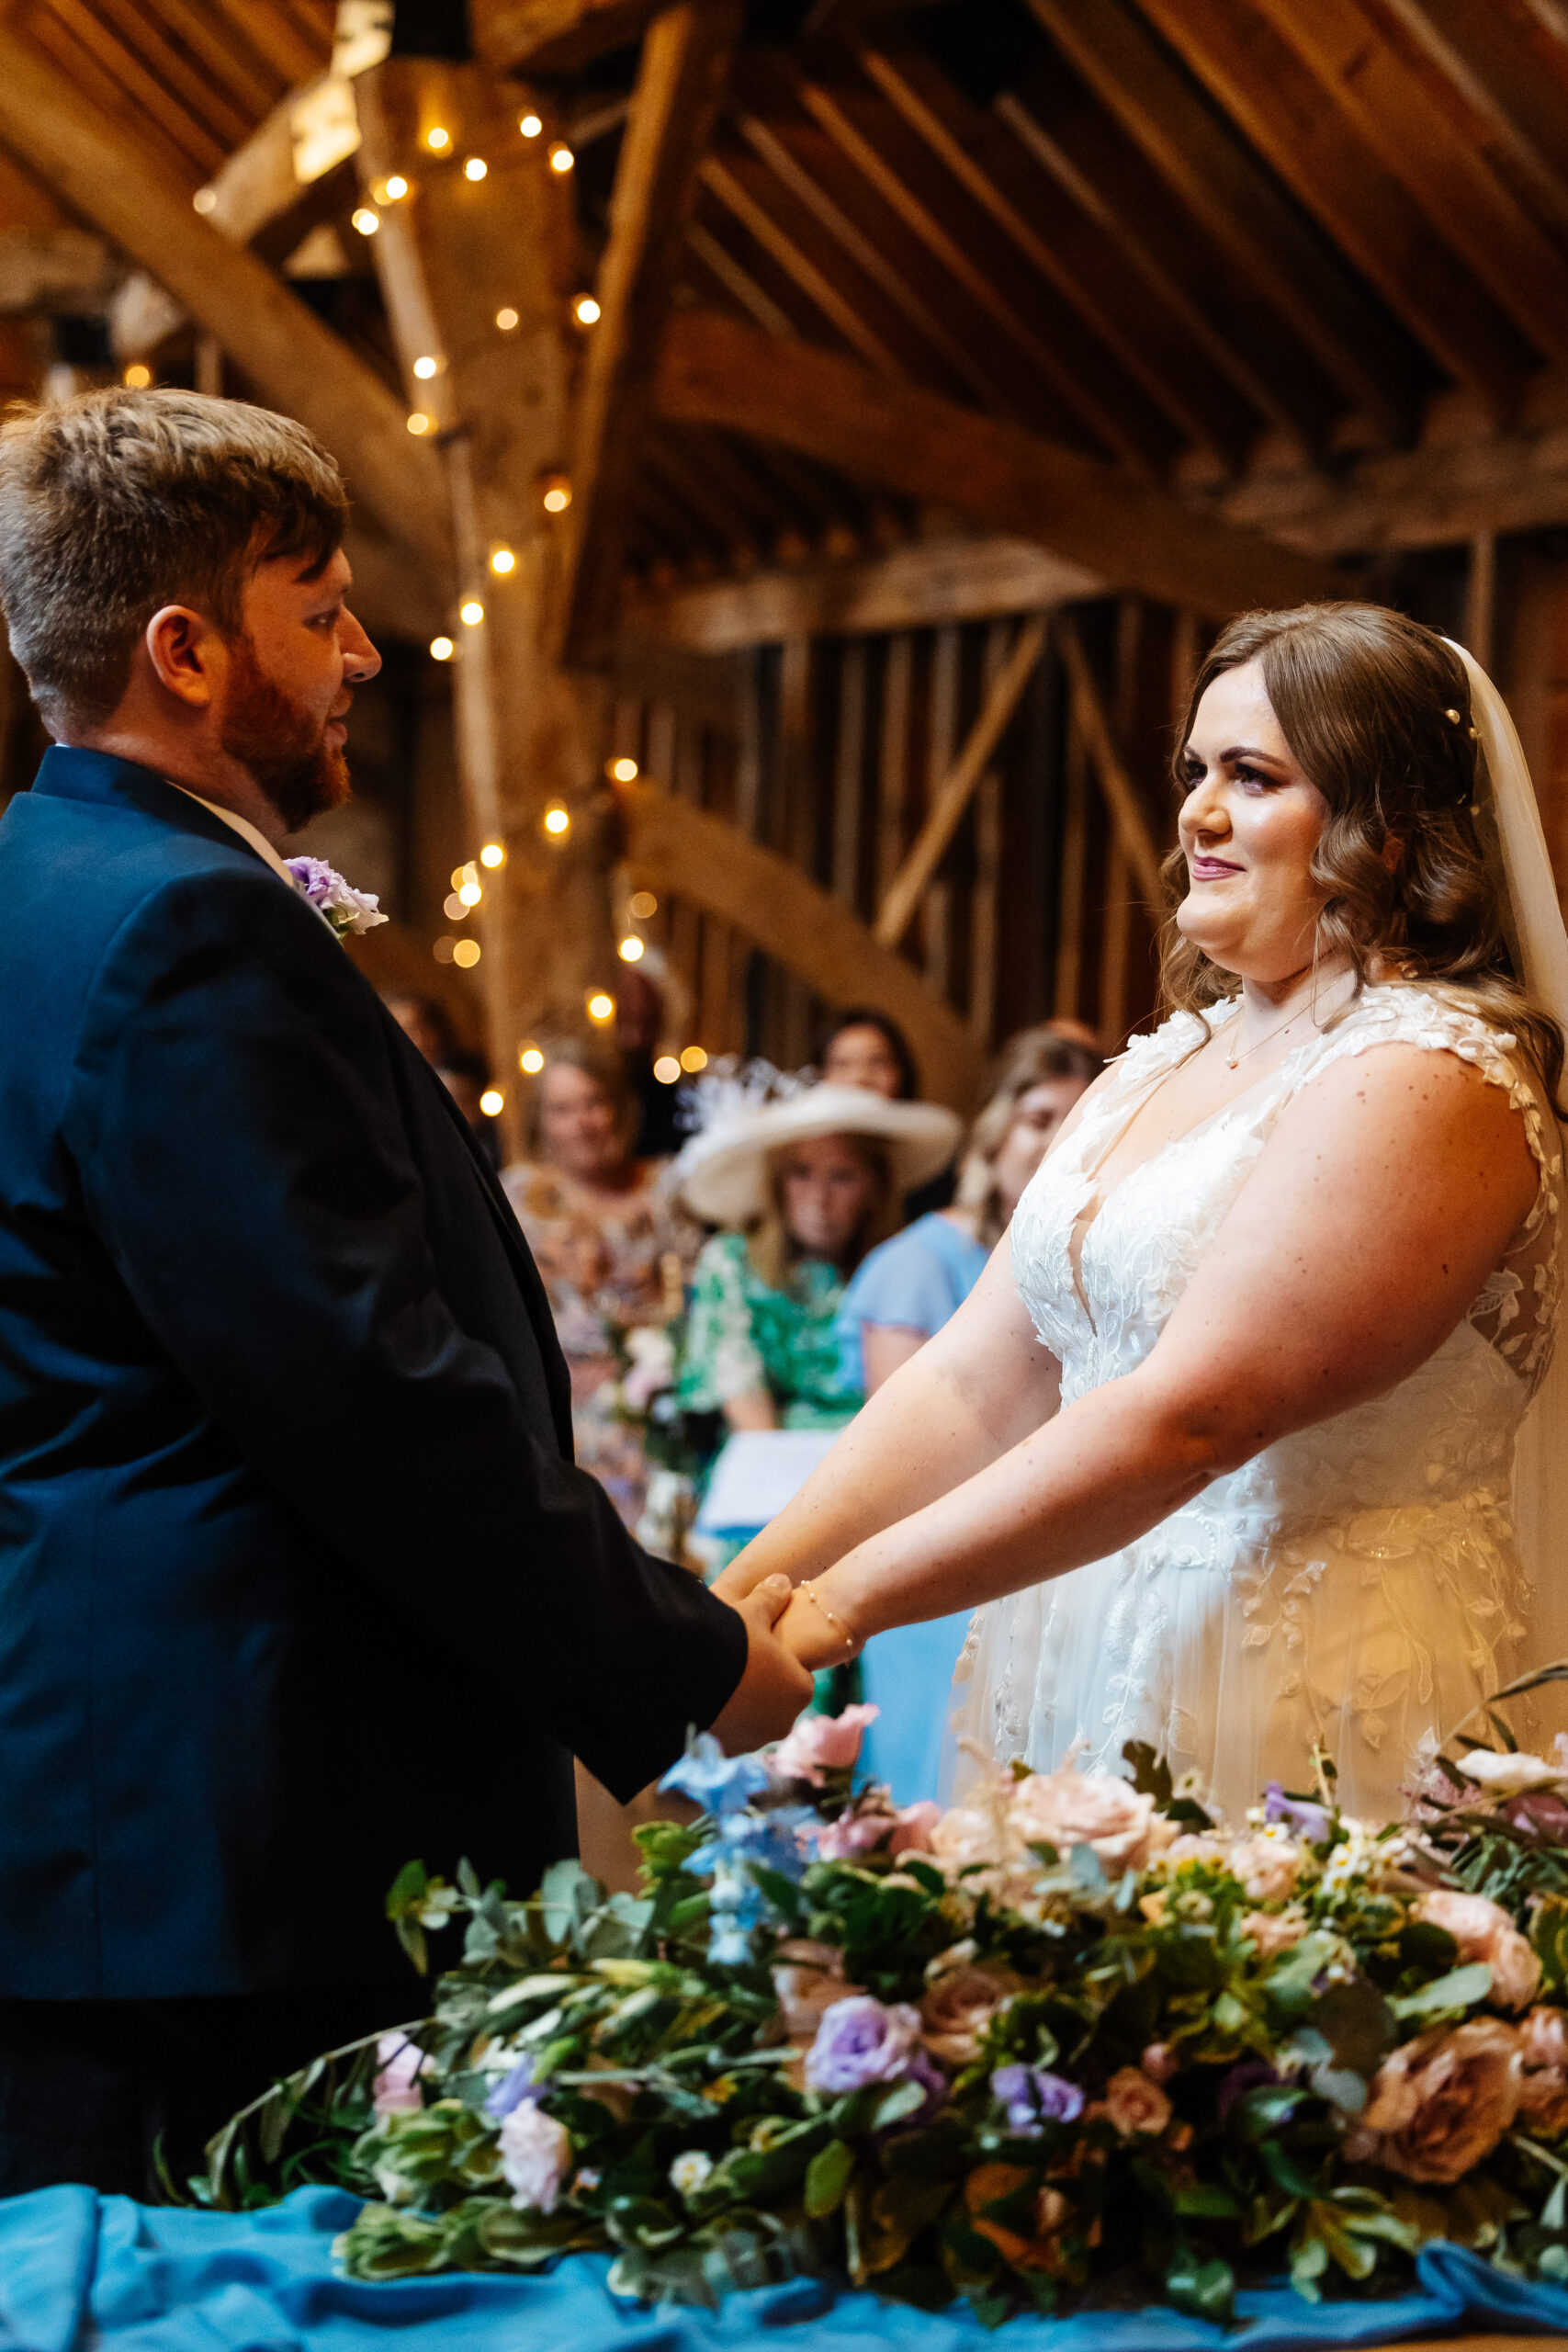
x,y
1234,1058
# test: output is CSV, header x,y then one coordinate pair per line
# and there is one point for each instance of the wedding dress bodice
x,y
1355,1584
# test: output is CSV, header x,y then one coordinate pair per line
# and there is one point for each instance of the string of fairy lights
x,y
468,893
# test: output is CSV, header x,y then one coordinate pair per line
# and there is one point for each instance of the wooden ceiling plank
x,y
293,51
229,61
702,491
138,94
291,358
845,316
1476,57
1110,406
761,268
786,159
258,201
1263,83
688,518
1223,185
145,35
746,486
716,372
1350,50
1090,270
737,281
915,586
1071,138
954,790
680,78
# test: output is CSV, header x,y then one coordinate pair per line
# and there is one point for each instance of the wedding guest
x,y
866,1049
612,1246
805,1187
903,1292
427,1023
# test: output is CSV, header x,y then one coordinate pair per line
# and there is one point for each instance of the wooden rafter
x,y
956,788
257,199
1247,63
685,56
554,36
99,172
675,847
717,371
1134,837
1218,180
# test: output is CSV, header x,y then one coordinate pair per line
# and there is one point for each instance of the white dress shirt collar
x,y
243,827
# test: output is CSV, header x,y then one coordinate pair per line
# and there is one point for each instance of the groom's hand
x,y
775,1687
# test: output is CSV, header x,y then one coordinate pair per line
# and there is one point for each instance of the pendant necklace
x,y
1236,1056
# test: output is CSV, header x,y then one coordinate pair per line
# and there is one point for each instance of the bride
x,y
1220,1447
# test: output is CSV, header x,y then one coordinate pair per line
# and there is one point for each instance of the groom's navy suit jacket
x,y
297,1582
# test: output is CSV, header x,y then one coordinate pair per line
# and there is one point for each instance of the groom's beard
x,y
284,749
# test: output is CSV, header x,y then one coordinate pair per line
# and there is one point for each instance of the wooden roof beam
x,y
717,371
257,199
554,36
1219,180
103,175
685,58
1356,55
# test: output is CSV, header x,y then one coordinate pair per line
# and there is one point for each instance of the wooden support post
x,y
1133,830
1067,1001
951,798
1479,597
477,273
984,906
848,773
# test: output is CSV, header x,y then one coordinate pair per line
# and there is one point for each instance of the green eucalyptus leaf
x,y
1457,1990
828,2178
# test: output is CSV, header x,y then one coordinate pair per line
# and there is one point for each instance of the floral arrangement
x,y
336,900
1073,2036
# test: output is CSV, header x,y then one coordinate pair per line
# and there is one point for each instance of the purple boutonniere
x,y
337,902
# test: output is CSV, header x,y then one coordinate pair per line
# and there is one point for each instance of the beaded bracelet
x,y
851,1645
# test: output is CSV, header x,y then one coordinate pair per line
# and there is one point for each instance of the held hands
x,y
816,1632
775,1685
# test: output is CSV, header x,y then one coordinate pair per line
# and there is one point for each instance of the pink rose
x,y
958,2006
1116,1821
1267,1867
1159,2062
852,1834
916,1825
396,2087
1197,1846
536,2156
963,1836
1483,1931
1543,2103
1441,2103
1546,2038
819,1744
1274,1931
808,1978
1134,2104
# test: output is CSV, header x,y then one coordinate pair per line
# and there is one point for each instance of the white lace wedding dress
x,y
1355,1585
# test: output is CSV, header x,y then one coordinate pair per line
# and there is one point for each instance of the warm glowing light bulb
x,y
585,310
467,954
641,904
137,377
470,894
459,875
425,367
442,649
556,821
444,950
532,1061
624,770
206,199
601,1006
474,169
667,1070
557,494
630,949
561,158
366,220
394,189
693,1059
503,561
492,854
454,910
530,126
492,1102
437,139
419,423
507,320
471,613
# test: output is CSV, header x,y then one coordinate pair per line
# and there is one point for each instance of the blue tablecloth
x,y
78,2271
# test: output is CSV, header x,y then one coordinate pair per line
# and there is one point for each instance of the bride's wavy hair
x,y
1376,711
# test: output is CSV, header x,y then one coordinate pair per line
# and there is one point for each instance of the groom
x,y
297,1582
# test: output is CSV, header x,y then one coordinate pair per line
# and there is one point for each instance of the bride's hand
x,y
811,1634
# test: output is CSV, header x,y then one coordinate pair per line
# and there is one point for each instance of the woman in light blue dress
x,y
901,1293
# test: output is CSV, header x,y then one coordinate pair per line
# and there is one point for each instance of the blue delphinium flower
x,y
513,2089
721,1784
1311,1819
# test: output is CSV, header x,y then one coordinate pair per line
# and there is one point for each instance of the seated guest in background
x,y
866,1049
612,1247
901,1294
805,1187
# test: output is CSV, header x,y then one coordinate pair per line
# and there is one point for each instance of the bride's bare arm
x,y
1386,1196
975,1389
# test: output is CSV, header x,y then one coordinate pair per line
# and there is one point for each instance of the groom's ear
x,y
188,654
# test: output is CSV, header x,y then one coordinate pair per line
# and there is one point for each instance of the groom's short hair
x,y
116,502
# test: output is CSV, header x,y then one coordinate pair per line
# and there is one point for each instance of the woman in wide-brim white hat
x,y
804,1186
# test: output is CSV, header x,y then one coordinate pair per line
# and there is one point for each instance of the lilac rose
x,y
1032,2095
1311,1819
859,2041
